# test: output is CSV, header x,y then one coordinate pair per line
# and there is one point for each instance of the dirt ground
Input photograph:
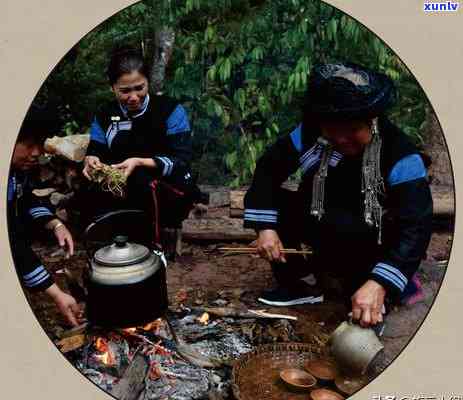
x,y
206,275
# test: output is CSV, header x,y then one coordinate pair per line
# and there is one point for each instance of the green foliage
x,y
239,66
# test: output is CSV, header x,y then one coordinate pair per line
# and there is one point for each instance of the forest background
x,y
240,67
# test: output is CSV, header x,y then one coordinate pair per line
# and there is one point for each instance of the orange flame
x,y
101,344
107,358
153,326
204,319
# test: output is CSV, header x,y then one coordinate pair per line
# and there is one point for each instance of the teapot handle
x,y
99,220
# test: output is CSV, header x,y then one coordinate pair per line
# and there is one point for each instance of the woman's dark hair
x,y
124,60
40,123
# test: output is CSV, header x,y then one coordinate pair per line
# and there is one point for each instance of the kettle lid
x,y
121,253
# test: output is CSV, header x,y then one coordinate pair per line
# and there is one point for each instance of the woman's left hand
x,y
367,303
64,238
128,165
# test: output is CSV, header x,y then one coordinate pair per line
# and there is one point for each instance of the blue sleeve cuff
x,y
391,274
407,169
166,165
267,216
38,212
178,121
37,277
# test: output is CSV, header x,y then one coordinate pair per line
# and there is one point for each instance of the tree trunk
x,y
164,42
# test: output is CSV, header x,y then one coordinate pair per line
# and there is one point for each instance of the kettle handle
x,y
99,220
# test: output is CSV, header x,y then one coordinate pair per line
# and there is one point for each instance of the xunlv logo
x,y
449,6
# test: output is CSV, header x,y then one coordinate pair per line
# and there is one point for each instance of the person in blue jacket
x,y
27,213
363,204
146,136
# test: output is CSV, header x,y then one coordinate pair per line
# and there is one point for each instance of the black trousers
x,y
344,246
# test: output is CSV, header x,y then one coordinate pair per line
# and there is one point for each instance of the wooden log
x,y
71,343
237,199
219,196
443,199
132,382
236,213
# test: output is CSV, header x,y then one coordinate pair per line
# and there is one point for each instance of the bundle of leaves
x,y
110,180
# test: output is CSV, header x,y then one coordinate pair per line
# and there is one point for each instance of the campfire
x,y
188,355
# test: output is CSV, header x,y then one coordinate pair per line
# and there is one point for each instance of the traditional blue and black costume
x,y
366,217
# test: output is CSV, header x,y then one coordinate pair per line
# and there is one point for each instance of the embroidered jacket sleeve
x,y
273,168
410,202
21,212
177,158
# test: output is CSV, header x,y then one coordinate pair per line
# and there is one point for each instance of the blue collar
x,y
144,106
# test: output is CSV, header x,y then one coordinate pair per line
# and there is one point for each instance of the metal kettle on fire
x,y
126,280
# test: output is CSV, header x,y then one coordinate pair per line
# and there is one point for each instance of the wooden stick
x,y
254,250
264,314
246,249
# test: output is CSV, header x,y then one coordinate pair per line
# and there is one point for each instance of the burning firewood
x,y
106,356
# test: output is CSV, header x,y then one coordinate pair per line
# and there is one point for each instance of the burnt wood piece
x,y
188,353
132,382
71,343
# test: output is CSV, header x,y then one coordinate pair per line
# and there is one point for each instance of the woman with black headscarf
x,y
364,203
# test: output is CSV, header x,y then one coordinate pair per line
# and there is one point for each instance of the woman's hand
x,y
269,245
367,303
91,162
130,164
63,236
66,304
65,240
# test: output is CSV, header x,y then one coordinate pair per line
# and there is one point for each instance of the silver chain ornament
x,y
372,181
